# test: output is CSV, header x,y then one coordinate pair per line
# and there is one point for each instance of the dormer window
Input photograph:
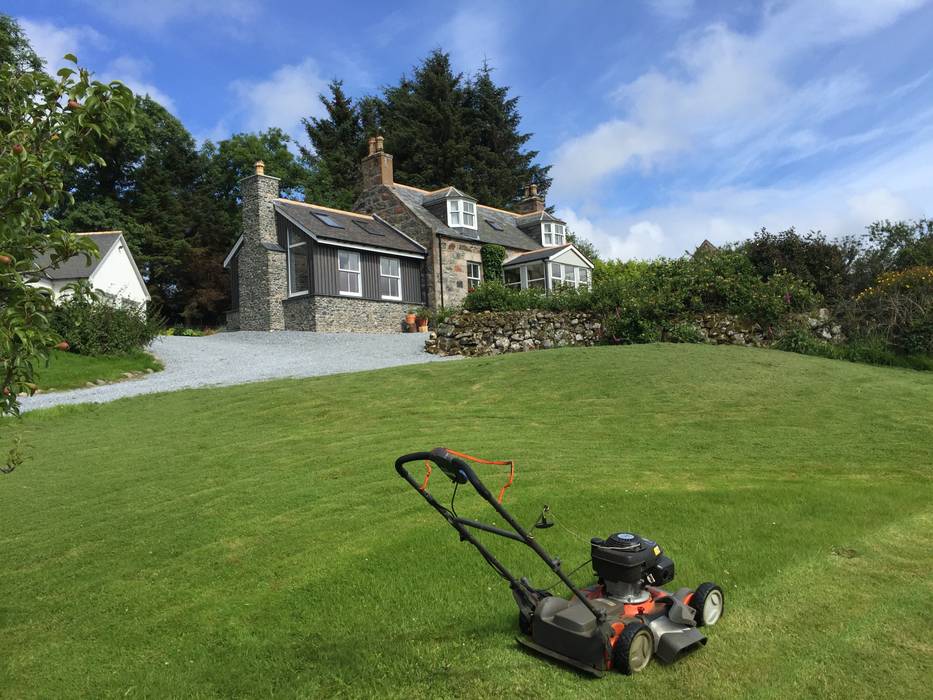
x,y
553,234
461,213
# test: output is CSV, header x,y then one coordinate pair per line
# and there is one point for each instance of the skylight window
x,y
461,213
495,225
368,227
327,219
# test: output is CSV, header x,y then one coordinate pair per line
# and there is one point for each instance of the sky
x,y
667,122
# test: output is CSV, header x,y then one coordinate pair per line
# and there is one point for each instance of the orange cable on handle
x,y
424,484
479,460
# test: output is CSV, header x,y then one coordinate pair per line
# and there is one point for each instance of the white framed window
x,y
535,272
348,273
474,275
299,276
513,277
390,279
461,213
583,277
569,276
553,234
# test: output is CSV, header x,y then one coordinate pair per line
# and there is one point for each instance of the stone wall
x,y
494,333
497,332
343,315
723,329
453,263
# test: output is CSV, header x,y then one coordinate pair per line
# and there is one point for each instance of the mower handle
x,y
458,471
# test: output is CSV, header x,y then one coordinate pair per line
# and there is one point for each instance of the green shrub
x,y
495,296
93,326
897,307
683,332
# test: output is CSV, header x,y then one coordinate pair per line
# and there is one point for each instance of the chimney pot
x,y
533,189
379,144
372,145
260,167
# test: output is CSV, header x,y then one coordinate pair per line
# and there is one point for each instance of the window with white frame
x,y
513,277
390,278
553,234
299,277
569,276
583,277
461,213
535,273
348,272
474,275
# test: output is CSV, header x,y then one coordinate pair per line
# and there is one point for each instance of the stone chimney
x,y
377,165
261,261
532,202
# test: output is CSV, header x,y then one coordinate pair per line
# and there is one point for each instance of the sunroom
x,y
549,269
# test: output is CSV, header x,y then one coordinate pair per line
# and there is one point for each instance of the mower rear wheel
x,y
708,601
634,649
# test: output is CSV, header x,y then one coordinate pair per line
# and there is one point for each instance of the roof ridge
x,y
97,233
484,206
321,206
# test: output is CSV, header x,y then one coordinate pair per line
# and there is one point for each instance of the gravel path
x,y
241,357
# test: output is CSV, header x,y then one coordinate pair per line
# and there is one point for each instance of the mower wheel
x,y
634,649
708,601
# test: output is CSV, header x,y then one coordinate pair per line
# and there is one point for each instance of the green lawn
x,y
67,370
256,542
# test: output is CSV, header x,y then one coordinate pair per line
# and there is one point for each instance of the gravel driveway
x,y
241,357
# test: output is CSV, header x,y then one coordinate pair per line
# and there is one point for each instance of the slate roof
x,y
540,254
77,267
511,236
359,229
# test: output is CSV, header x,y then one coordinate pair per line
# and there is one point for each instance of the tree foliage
x,y
441,127
48,127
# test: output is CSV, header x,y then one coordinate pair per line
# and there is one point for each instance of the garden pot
x,y
410,319
422,327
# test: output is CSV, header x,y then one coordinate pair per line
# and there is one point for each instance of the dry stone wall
x,y
497,332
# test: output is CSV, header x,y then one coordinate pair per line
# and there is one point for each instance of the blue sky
x,y
667,121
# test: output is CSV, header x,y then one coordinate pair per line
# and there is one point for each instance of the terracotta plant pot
x,y
423,328
410,319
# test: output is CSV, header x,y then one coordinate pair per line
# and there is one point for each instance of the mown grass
x,y
68,370
256,541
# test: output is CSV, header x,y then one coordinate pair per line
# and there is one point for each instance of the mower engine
x,y
626,564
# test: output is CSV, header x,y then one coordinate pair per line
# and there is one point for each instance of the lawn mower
x,y
621,622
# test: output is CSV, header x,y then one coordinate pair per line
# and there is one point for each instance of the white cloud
x,y
281,100
52,42
475,33
131,72
894,185
726,93
155,15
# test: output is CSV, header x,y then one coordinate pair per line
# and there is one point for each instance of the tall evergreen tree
x,y
441,129
497,168
425,125
15,49
337,144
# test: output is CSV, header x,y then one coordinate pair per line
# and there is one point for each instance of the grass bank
x,y
67,370
256,541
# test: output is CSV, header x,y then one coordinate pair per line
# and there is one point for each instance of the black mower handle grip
x,y
455,468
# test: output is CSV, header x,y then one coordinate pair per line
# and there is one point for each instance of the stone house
x,y
301,266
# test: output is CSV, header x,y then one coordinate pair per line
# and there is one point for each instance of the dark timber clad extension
x,y
324,274
324,277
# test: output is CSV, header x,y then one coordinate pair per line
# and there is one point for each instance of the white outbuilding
x,y
113,274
